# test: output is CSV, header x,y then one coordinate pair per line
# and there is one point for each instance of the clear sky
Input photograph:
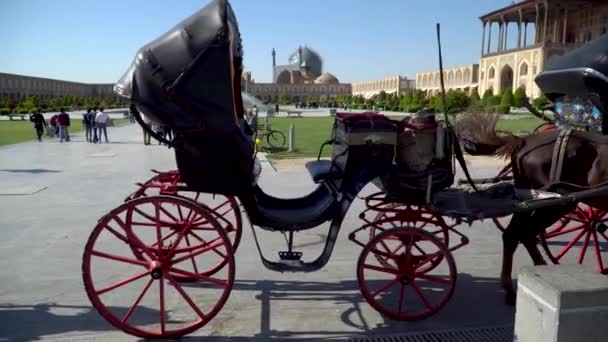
x,y
94,41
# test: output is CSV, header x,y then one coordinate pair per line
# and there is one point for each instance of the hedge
x,y
5,111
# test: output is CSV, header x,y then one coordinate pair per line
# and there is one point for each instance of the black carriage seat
x,y
291,213
323,170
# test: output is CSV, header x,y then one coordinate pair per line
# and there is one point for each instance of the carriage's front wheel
x,y
413,285
142,297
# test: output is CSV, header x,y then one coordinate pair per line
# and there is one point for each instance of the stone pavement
x,y
67,187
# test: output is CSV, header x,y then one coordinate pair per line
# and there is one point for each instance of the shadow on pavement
x,y
35,171
477,301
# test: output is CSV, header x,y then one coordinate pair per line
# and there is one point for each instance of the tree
x,y
5,102
518,97
507,98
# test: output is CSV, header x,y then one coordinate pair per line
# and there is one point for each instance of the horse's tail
x,y
477,132
511,144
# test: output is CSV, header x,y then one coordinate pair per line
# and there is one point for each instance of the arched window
x,y
523,69
491,73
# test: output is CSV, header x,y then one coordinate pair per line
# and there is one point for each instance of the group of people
x,y
58,123
95,121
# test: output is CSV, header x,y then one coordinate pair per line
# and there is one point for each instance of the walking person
x,y
63,120
54,125
95,138
101,121
39,123
89,123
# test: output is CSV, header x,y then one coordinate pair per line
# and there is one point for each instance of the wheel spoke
x,y
570,244
581,256
401,295
181,291
161,208
133,239
134,306
123,283
119,258
202,250
421,295
381,269
427,260
598,255
557,233
199,276
433,279
205,242
161,291
152,219
193,261
158,233
179,212
117,234
385,287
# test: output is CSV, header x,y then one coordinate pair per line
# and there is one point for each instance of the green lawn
x,y
12,132
312,132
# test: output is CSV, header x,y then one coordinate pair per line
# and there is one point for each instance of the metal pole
x,y
292,138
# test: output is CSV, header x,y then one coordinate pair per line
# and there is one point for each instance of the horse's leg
x,y
510,241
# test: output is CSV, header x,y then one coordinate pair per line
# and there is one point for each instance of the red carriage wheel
x,y
404,216
583,231
142,296
405,289
225,208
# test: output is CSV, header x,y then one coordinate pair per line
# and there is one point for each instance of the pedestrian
x,y
95,138
276,108
101,121
63,120
39,123
54,125
89,123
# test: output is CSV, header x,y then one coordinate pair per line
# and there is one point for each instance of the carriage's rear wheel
x,y
225,209
142,296
408,287
405,216
583,231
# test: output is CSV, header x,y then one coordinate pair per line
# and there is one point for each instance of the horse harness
x,y
559,154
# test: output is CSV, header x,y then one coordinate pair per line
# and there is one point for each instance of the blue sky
x,y
95,40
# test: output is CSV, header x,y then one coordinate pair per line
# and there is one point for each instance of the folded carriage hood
x,y
184,77
579,73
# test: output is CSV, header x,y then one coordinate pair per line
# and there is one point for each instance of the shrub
x,y
507,98
540,102
5,111
518,97
487,95
23,110
503,109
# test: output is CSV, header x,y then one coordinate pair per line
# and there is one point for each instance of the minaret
x,y
274,64
300,56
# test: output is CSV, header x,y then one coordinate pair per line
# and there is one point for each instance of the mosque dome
x,y
326,78
308,59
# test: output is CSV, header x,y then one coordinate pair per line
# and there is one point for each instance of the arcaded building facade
x,y
392,84
464,77
519,40
14,86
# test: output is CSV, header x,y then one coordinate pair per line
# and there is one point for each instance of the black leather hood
x,y
581,73
186,77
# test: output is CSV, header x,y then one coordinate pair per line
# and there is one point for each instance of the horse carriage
x,y
167,252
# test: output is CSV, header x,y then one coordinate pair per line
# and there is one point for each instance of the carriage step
x,y
290,255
